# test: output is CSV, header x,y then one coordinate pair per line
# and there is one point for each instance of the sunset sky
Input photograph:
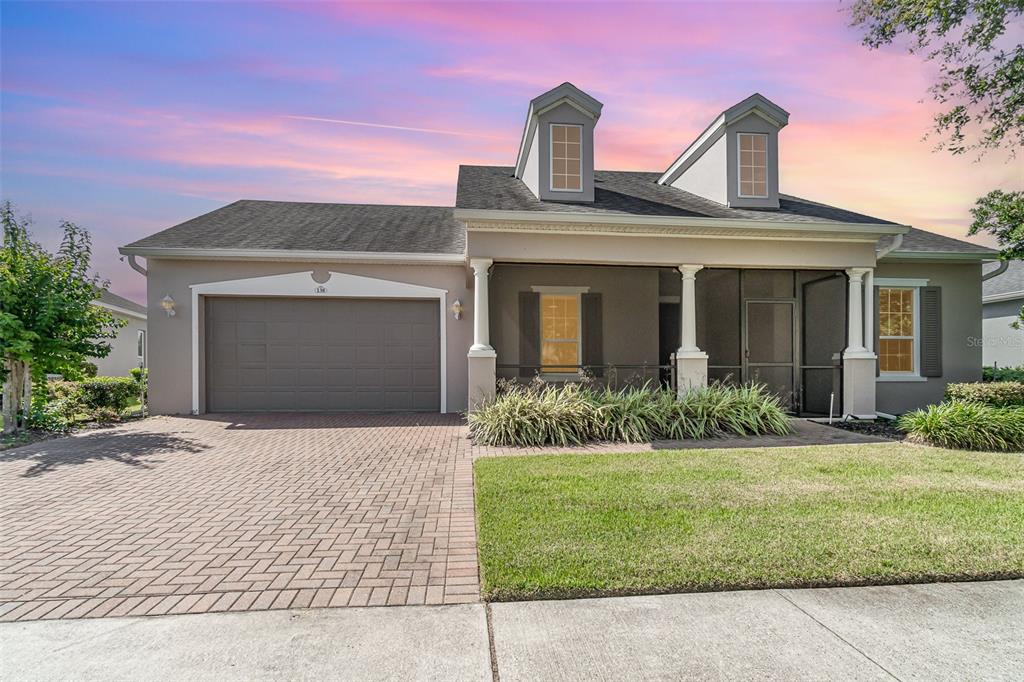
x,y
131,117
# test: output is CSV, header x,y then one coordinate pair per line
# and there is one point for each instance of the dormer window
x,y
566,157
753,174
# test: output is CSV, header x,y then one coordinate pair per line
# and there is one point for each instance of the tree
x,y
48,323
980,86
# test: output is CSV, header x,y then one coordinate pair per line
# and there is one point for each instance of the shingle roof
x,y
121,302
295,226
922,241
632,193
1010,281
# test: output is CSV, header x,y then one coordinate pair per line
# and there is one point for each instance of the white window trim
x,y
302,284
140,345
739,169
915,285
564,291
551,157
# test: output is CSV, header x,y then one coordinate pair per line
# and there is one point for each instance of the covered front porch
x,y
804,332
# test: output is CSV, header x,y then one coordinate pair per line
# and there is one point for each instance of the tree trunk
x,y
17,394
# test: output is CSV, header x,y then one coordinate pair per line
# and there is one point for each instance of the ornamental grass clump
x,y
572,414
967,426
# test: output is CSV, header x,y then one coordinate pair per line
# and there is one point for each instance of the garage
x,y
321,354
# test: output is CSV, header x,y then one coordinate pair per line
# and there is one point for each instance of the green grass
x,y
694,520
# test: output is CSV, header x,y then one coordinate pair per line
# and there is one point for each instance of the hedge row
x,y
997,394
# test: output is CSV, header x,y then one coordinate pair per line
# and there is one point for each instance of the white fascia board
x,y
696,223
119,310
677,167
524,145
296,255
1008,296
941,255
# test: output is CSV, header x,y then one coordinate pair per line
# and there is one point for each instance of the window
x,y
897,330
559,333
566,157
753,164
140,340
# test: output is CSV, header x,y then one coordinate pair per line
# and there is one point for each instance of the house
x,y
702,271
128,348
1002,299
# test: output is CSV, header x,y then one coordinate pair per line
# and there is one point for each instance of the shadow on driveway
x,y
131,448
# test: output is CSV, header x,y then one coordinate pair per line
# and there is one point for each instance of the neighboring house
x,y
1003,296
128,348
700,272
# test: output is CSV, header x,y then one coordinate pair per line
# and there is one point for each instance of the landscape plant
x,y
996,393
1003,373
572,414
966,426
48,323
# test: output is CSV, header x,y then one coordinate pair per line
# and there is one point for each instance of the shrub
x,y
58,415
997,394
570,414
966,426
110,393
1002,373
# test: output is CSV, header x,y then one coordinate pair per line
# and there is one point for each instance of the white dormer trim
x,y
756,104
566,93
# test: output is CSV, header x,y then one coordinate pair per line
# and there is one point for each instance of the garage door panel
x,y
282,331
250,331
397,377
321,354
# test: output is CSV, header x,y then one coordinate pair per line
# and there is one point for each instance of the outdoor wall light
x,y
167,303
457,309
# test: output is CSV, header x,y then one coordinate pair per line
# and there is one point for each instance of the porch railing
x,y
611,375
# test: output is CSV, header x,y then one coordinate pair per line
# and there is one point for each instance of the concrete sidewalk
x,y
941,631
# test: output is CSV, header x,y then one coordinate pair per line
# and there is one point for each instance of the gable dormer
x,y
735,161
556,154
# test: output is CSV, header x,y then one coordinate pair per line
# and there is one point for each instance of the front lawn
x,y
574,525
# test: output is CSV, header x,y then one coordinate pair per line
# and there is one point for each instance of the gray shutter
x,y
529,333
877,343
593,336
931,331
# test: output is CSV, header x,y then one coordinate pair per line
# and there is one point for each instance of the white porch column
x,y
858,361
481,305
691,361
869,310
482,358
855,340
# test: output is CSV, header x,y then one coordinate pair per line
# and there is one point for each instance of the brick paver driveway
x,y
228,513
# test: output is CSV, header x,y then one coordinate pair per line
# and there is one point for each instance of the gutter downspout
x,y
136,267
1003,265
897,242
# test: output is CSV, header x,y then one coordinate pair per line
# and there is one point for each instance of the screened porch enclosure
x,y
782,328
620,325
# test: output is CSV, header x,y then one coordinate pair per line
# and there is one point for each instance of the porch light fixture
x,y
457,309
167,303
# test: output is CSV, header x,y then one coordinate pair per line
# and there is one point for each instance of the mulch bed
x,y
882,428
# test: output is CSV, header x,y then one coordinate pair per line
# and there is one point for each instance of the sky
x,y
130,117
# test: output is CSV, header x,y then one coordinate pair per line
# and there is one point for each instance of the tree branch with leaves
x,y
48,323
980,86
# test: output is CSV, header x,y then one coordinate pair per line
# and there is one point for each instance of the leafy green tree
x,y
48,323
980,86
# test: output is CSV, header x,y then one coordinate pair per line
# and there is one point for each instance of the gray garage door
x,y
299,354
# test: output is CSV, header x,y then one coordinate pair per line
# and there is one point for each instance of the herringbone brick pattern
x,y
232,513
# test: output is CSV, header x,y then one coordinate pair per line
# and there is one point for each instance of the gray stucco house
x,y
702,271
1002,298
128,348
